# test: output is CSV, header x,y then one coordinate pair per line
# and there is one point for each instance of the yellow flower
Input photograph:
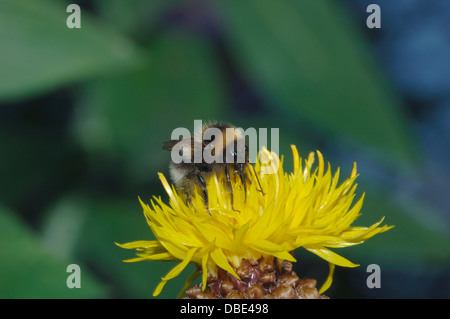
x,y
306,208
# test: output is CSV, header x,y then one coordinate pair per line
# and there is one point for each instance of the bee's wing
x,y
168,145
184,142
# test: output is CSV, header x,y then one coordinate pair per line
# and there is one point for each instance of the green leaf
x,y
28,270
32,157
416,237
132,115
63,224
39,52
137,19
309,59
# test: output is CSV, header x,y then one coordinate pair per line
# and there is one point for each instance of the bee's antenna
x,y
254,172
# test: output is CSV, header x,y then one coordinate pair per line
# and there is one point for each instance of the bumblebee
x,y
218,147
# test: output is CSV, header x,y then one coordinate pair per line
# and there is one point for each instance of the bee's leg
x,y
189,200
257,179
230,190
185,189
202,184
244,178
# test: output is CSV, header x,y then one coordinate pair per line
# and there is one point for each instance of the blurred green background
x,y
84,113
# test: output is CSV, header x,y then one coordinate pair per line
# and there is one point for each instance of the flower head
x,y
306,208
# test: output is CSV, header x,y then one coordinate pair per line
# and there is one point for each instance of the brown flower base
x,y
261,279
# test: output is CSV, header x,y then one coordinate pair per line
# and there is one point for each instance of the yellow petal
x,y
175,271
332,257
220,259
269,248
159,288
140,244
297,161
329,279
204,271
